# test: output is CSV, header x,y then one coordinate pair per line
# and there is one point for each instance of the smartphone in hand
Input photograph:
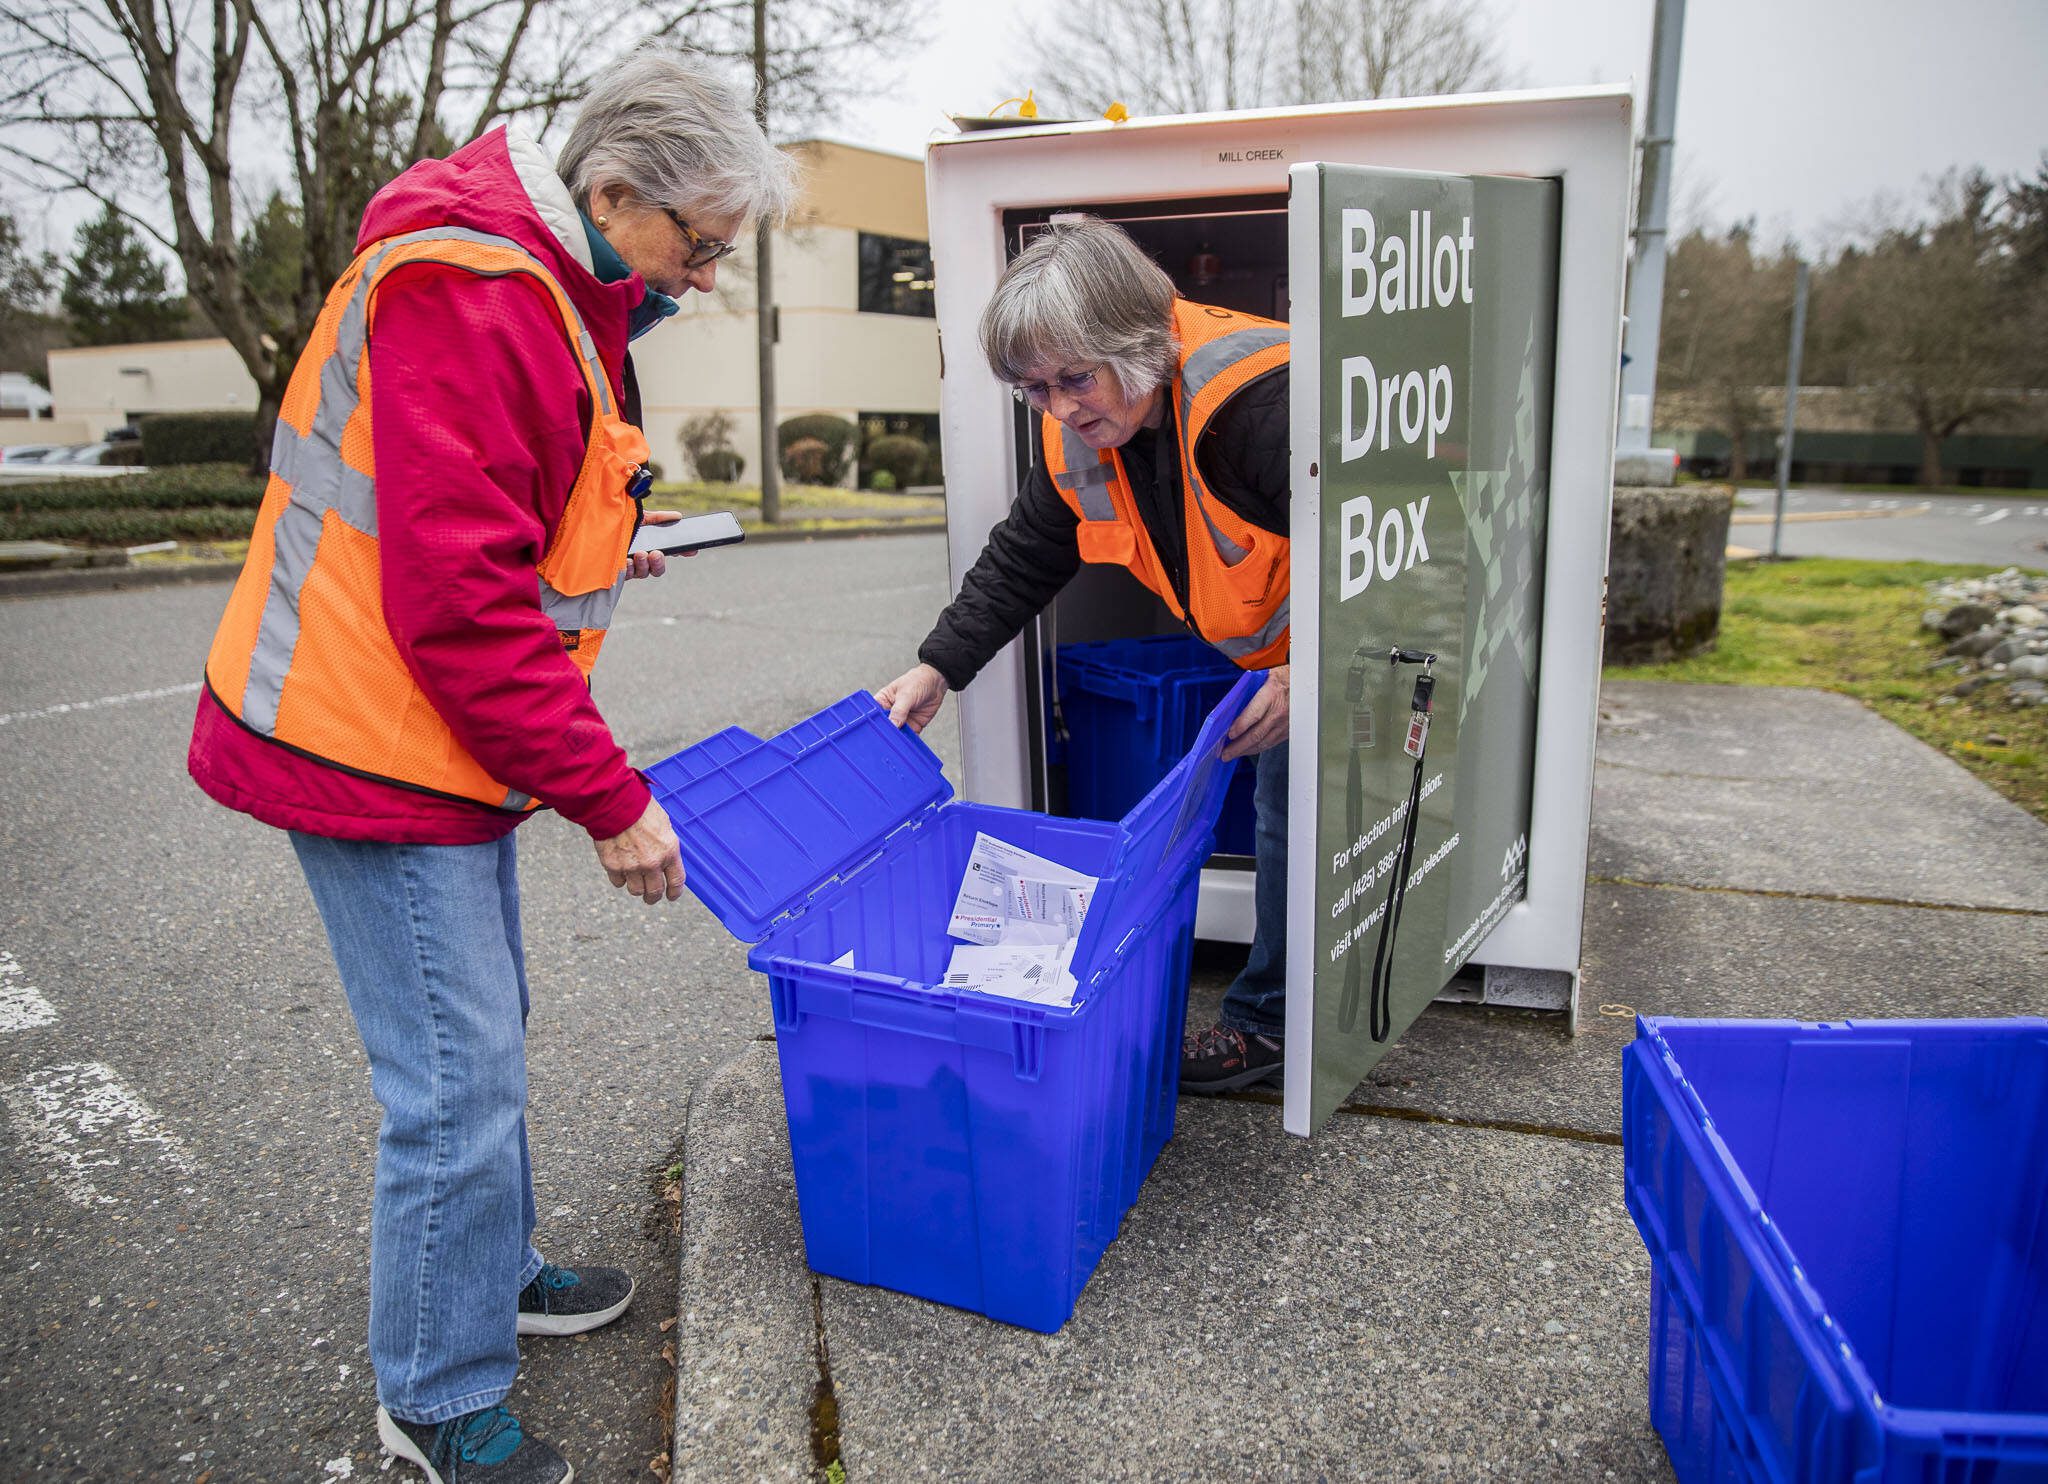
x,y
691,533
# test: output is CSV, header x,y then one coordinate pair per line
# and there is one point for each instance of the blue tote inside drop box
x,y
960,1146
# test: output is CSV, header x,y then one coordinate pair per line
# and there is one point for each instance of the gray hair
x,y
1083,292
668,127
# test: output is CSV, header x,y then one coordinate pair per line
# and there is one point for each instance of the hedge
x,y
902,457
198,438
720,466
129,527
184,487
836,433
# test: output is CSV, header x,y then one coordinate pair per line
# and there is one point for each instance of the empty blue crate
x,y
1132,709
1848,1235
956,1145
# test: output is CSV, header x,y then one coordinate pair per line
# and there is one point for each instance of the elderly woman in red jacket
x,y
401,674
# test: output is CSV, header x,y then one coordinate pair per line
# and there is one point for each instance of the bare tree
x,y
1159,56
168,112
1350,49
802,55
1195,56
1727,311
1937,313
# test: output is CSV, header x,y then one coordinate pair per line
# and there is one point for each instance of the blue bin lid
x,y
763,824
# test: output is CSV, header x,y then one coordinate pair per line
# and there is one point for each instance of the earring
x,y
604,221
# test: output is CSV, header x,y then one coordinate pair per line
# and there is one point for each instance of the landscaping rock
x,y
1965,618
1969,646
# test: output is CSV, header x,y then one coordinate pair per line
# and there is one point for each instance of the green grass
x,y
1854,628
800,502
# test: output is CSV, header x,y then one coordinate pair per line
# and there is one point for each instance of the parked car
x,y
29,453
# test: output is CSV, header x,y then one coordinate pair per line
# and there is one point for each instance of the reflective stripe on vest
x,y
1237,595
319,474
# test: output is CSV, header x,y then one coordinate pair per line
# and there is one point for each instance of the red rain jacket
x,y
478,414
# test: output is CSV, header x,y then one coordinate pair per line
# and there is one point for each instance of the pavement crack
x,y
824,1397
1841,898
1686,777
1448,1120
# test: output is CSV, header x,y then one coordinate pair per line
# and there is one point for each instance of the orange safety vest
x,y
303,655
1237,573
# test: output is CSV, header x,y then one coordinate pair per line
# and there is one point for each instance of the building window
x,y
895,276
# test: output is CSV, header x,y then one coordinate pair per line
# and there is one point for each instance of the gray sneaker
x,y
568,1301
483,1447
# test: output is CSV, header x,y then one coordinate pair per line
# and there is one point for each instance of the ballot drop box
x,y
964,1147
1450,271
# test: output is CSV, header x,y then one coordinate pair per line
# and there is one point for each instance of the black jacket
x,y
1032,554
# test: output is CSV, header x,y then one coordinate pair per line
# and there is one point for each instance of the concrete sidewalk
x,y
1443,1283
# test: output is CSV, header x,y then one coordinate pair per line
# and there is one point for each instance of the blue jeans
x,y
1257,1001
427,941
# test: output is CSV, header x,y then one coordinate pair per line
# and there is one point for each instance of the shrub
x,y
708,437
720,466
882,480
199,438
128,527
808,461
181,487
838,436
901,457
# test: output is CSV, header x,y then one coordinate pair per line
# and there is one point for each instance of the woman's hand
x,y
645,859
914,697
654,563
1263,722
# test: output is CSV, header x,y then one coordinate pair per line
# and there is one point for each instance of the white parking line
x,y
1994,517
79,1118
64,707
22,1006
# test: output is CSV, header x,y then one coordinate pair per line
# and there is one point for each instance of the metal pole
x,y
1653,203
764,296
1791,402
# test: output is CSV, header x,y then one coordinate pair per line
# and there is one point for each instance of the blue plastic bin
x,y
1848,1236
959,1146
1133,708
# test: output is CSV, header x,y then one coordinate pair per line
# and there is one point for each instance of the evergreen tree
x,y
28,330
115,291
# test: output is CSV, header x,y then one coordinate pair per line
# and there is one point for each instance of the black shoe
x,y
568,1301
1219,1059
484,1447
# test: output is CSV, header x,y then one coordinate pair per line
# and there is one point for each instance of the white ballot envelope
x,y
1041,973
1009,895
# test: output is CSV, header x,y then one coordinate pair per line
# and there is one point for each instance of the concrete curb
x,y
752,1389
61,580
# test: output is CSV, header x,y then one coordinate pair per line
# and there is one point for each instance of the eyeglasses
x,y
1039,393
702,249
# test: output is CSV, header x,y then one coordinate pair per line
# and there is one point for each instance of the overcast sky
x,y
1791,111
1795,112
